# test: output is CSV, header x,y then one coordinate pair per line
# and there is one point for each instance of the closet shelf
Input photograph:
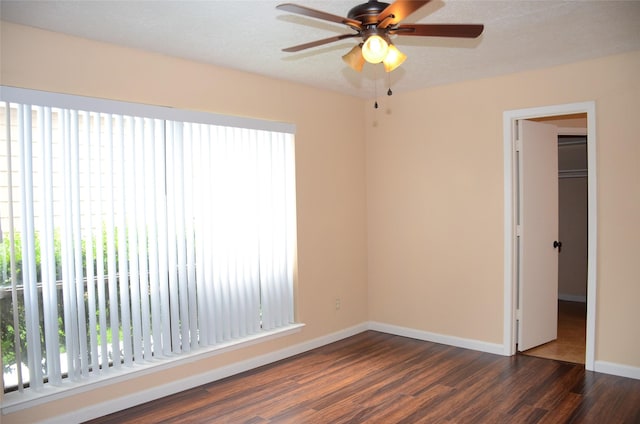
x,y
572,173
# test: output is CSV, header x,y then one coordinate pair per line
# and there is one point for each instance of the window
x,y
134,233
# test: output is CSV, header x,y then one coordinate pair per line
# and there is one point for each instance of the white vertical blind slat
x,y
163,240
121,235
110,232
142,225
216,236
291,238
152,224
100,229
29,277
87,216
288,225
254,271
279,232
67,256
180,236
205,235
242,252
80,319
131,178
216,255
12,247
47,251
174,300
266,271
199,234
188,199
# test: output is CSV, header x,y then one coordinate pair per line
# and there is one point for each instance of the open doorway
x,y
581,111
573,232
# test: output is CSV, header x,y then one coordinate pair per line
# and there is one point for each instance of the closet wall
x,y
573,220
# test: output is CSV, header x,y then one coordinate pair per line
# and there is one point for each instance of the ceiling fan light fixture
x,y
354,58
393,59
374,22
375,49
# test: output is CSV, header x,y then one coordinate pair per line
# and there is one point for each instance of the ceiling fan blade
x,y
399,10
440,30
307,11
318,43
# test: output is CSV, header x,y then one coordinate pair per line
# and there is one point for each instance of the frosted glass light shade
x,y
393,59
354,58
375,49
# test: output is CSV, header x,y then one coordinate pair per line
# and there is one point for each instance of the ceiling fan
x,y
375,22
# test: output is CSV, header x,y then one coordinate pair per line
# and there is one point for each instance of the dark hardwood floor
x,y
380,378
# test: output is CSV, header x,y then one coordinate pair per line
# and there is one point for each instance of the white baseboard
x,y
472,344
109,407
617,369
572,297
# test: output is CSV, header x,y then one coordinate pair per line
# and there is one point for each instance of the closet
x,y
572,191
572,259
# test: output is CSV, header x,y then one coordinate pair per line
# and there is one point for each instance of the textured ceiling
x,y
249,35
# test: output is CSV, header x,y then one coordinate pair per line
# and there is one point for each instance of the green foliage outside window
x,y
7,329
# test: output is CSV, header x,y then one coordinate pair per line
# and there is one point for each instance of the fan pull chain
x,y
375,86
389,92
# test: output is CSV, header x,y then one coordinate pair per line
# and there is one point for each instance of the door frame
x,y
510,205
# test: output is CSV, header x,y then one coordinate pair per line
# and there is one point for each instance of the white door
x,y
538,220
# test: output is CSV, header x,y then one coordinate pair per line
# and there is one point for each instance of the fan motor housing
x,y
368,12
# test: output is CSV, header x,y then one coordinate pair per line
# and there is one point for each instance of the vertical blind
x,y
127,239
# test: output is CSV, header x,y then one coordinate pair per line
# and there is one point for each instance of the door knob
x,y
557,244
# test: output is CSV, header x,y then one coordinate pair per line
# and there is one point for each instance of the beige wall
x,y
435,201
329,169
410,195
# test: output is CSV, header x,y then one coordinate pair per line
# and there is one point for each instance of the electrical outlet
x,y
338,305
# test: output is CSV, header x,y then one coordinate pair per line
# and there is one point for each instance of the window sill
x,y
16,401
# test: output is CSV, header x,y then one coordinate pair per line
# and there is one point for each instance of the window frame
x,y
15,401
